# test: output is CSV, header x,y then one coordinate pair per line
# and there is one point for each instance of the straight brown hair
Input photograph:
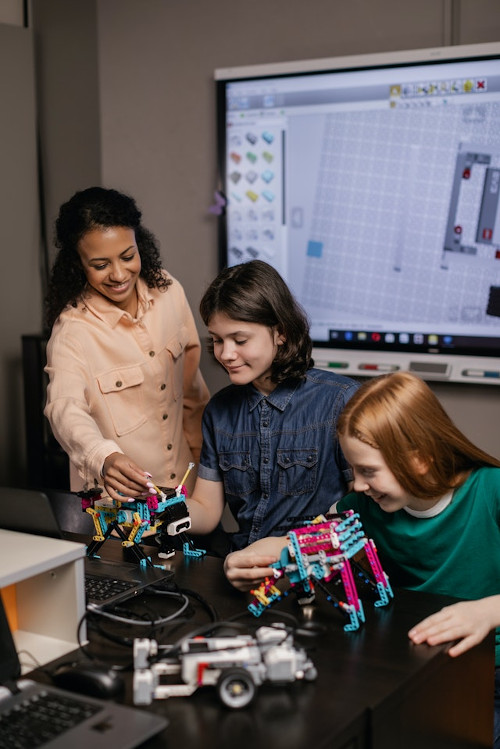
x,y
255,292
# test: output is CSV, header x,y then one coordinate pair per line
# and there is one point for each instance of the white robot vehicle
x,y
235,665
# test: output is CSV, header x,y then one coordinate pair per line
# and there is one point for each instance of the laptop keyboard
x,y
99,588
40,718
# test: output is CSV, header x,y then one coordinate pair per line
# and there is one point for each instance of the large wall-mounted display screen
x,y
372,184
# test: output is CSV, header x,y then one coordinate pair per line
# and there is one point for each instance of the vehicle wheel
x,y
236,688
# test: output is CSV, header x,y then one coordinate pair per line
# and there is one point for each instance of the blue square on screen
x,y
314,249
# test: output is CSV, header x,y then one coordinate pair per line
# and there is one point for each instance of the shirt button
x,y
265,423
266,460
172,475
163,386
169,447
151,353
118,383
165,416
265,496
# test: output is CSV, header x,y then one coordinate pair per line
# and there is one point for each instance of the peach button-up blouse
x,y
130,385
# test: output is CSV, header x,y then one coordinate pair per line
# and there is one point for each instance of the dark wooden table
x,y
375,690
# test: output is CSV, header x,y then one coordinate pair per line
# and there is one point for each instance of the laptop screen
x,y
27,511
10,668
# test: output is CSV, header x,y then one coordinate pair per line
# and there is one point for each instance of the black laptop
x,y
36,715
106,582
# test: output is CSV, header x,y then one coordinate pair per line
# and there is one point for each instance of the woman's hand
x,y
247,568
467,621
123,479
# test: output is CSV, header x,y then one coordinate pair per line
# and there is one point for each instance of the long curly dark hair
x,y
95,208
255,292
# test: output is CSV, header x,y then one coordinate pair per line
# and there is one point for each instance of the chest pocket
x,y
122,393
237,473
175,353
297,470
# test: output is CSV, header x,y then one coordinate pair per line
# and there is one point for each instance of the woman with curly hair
x,y
270,449
125,394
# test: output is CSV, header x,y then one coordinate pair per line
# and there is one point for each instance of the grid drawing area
x,y
382,200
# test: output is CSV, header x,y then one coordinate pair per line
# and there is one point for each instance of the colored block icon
x,y
314,249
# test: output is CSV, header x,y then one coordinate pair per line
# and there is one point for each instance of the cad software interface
x,y
376,194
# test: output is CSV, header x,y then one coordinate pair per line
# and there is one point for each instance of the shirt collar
x,y
433,511
109,312
279,397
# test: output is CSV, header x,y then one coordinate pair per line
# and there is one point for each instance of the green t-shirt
x,y
454,553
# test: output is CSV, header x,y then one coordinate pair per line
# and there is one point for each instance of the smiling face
x,y
373,477
246,350
111,263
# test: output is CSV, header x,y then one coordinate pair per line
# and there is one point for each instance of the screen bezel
x,y
465,363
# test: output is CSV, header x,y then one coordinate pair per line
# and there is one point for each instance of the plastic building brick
x,y
321,552
164,513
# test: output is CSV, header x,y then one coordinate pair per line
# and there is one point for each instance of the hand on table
x,y
466,621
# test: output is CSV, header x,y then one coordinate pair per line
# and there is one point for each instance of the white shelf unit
x,y
48,575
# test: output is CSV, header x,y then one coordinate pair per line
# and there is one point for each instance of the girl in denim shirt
x,y
270,448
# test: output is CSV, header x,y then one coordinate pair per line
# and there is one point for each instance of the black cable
x,y
138,622
202,630
96,617
270,612
212,611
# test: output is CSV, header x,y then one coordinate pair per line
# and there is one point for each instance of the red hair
x,y
399,415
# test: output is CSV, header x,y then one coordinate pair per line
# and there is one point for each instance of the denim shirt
x,y
277,455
